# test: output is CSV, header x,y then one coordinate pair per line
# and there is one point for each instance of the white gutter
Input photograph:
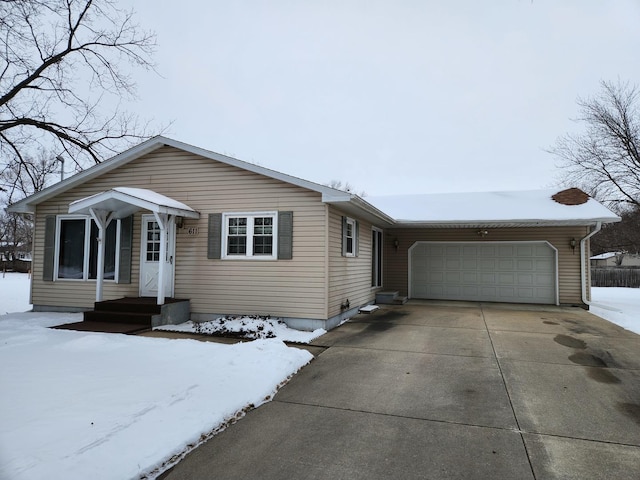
x,y
583,271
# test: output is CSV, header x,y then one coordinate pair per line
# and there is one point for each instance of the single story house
x,y
242,239
615,259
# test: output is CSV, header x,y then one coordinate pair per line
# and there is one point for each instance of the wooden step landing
x,y
131,315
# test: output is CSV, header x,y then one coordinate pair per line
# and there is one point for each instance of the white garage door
x,y
515,272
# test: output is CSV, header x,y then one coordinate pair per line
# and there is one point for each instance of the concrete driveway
x,y
432,390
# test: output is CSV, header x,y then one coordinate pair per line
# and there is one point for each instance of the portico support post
x,y
102,219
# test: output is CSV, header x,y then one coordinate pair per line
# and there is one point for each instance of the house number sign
x,y
193,231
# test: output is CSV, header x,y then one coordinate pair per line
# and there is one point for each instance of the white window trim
x,y
87,239
354,238
250,216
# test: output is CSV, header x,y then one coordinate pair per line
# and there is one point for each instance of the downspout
x,y
583,269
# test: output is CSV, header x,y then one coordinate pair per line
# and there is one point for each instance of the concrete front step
x,y
390,298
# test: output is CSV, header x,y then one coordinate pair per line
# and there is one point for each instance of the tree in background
x,y
622,237
62,77
604,160
345,187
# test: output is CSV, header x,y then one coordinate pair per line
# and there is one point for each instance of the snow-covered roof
x,y
604,256
517,208
526,208
124,201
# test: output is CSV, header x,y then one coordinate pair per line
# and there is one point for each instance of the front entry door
x,y
150,257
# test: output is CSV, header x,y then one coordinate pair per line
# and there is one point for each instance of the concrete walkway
x,y
447,391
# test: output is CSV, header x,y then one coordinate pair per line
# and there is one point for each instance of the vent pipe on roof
x,y
583,267
61,160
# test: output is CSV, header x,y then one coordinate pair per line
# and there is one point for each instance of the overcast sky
x,y
392,96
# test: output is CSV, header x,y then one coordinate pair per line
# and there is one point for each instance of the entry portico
x,y
120,202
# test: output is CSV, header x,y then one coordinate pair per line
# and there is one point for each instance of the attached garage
x,y
513,272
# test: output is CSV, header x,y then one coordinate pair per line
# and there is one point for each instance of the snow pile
x,y
250,327
79,405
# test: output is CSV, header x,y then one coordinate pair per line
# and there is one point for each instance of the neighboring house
x,y
615,259
243,239
16,259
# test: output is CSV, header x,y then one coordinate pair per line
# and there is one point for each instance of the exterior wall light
x,y
572,244
396,244
483,233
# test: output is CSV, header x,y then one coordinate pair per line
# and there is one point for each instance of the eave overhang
x,y
357,207
504,223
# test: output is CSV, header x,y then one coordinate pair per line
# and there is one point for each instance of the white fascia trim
x,y
26,205
360,205
504,223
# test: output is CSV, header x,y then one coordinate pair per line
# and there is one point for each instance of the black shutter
x,y
49,247
126,248
285,235
214,239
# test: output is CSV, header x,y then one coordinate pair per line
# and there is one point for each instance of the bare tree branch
x,y
605,159
63,73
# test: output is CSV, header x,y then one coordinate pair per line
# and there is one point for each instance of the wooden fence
x,y
615,277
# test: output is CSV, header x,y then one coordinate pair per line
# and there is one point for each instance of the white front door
x,y
150,257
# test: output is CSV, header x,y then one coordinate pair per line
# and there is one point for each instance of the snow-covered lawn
x,y
618,305
14,292
78,405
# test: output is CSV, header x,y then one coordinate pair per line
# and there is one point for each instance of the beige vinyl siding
x,y
349,277
285,288
396,262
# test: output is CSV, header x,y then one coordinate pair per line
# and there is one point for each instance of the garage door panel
x,y
469,263
470,290
435,263
506,279
526,279
452,291
544,265
506,251
452,264
487,264
435,277
453,278
469,277
502,271
507,264
525,264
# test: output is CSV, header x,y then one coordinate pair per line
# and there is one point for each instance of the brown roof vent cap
x,y
571,196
